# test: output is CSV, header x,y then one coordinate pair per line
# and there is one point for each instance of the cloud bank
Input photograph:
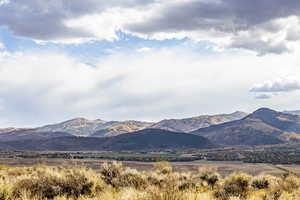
x,y
263,26
279,85
41,88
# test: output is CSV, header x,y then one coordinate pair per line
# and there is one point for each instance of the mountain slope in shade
x,y
30,134
158,139
84,127
194,123
142,140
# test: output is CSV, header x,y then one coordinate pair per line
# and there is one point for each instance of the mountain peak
x,y
267,112
264,109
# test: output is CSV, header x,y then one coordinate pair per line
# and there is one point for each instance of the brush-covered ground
x,y
115,182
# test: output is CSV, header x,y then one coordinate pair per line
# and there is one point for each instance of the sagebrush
x,y
114,182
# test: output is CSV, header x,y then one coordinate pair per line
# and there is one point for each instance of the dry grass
x,y
115,182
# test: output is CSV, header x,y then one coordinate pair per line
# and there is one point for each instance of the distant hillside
x,y
194,123
293,112
142,140
5,130
262,127
29,134
84,127
157,139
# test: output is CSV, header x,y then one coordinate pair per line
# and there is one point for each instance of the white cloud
x,y
144,49
2,2
2,46
278,85
47,87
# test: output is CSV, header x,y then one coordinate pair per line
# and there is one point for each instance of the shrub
x,y
260,183
236,185
113,182
71,183
209,176
290,183
110,172
163,167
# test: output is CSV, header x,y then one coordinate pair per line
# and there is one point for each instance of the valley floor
x,y
223,167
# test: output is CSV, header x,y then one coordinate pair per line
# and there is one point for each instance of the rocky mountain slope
x,y
194,123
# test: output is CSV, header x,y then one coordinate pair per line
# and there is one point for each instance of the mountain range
x,y
262,127
101,128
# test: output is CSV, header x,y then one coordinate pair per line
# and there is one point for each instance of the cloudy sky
x,y
146,59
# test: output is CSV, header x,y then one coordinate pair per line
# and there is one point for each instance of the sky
x,y
146,59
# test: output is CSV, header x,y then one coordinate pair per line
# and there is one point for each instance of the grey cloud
x,y
227,17
260,46
277,86
44,20
264,96
224,15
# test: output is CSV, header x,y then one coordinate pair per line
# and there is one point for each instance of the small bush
x,y
237,185
290,183
209,176
110,172
163,167
260,183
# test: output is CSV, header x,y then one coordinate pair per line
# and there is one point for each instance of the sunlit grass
x,y
114,182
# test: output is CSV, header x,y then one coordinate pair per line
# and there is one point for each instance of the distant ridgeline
x,y
262,127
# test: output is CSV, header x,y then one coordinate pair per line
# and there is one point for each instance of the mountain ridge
x,y
194,123
262,127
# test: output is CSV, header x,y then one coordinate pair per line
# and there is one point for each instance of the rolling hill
x,y
194,123
148,139
262,127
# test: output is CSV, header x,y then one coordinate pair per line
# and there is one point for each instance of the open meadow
x,y
29,179
223,167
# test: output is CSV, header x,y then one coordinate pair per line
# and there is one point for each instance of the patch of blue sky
x,y
91,51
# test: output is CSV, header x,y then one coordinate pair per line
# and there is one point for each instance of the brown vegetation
x,y
115,182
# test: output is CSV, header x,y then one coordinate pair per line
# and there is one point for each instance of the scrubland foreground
x,y
114,182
